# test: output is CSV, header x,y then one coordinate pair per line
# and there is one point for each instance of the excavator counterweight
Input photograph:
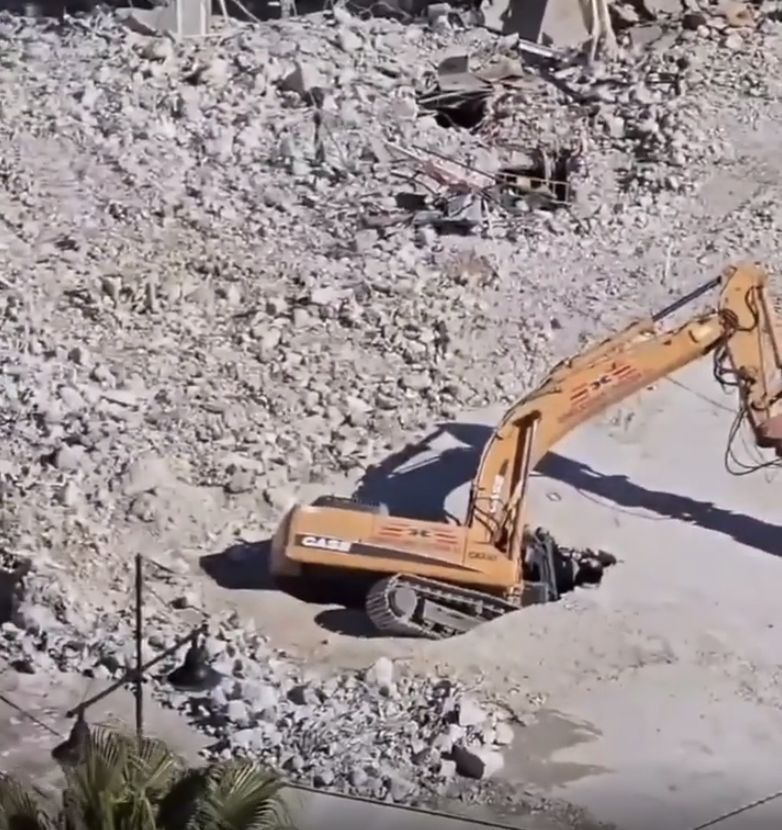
x,y
439,579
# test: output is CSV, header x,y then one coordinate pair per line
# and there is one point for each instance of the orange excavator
x,y
435,579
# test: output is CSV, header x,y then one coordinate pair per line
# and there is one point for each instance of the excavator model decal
x,y
588,397
398,535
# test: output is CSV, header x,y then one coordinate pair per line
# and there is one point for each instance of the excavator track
x,y
412,606
404,605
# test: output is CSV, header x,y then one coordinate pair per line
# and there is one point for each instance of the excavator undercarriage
x,y
439,579
411,606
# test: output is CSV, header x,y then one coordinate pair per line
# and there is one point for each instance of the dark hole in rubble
x,y
463,112
13,570
559,567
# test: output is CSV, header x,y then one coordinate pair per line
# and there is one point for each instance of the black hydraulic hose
x,y
686,299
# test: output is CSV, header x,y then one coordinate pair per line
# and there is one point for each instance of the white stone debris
x,y
379,733
239,271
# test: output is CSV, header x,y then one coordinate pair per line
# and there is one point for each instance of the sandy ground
x,y
656,694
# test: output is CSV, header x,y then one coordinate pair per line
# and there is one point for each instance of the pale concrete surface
x,y
669,672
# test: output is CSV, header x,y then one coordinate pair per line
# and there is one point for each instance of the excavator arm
x,y
435,579
740,334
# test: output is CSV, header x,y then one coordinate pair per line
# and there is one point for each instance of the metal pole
x,y
130,674
686,299
139,679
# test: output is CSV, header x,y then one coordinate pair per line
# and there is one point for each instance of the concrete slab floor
x,y
662,695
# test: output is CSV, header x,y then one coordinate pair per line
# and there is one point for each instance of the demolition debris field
x,y
250,269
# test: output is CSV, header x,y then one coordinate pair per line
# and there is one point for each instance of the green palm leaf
x,y
97,783
126,783
151,772
119,781
238,795
20,809
152,766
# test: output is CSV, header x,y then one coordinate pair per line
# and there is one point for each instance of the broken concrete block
x,y
503,734
180,19
381,674
470,712
447,768
487,735
445,741
665,8
737,15
304,79
477,762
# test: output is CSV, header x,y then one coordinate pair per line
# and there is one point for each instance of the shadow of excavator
x,y
416,481
619,490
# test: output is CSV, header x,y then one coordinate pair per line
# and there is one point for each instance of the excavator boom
x,y
436,579
740,331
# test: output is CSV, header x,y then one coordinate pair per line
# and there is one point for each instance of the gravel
x,y
210,306
379,733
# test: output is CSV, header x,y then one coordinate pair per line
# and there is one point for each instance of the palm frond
x,y
102,766
241,796
123,782
21,809
97,784
153,766
120,780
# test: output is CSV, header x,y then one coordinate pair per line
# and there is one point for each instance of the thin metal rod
x,y
130,674
686,299
138,686
30,716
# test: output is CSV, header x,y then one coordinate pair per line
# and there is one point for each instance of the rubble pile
x,y
240,270
204,242
376,733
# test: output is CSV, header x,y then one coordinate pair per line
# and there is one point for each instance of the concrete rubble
x,y
378,733
215,299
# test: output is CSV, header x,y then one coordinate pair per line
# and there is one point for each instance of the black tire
x,y
344,503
